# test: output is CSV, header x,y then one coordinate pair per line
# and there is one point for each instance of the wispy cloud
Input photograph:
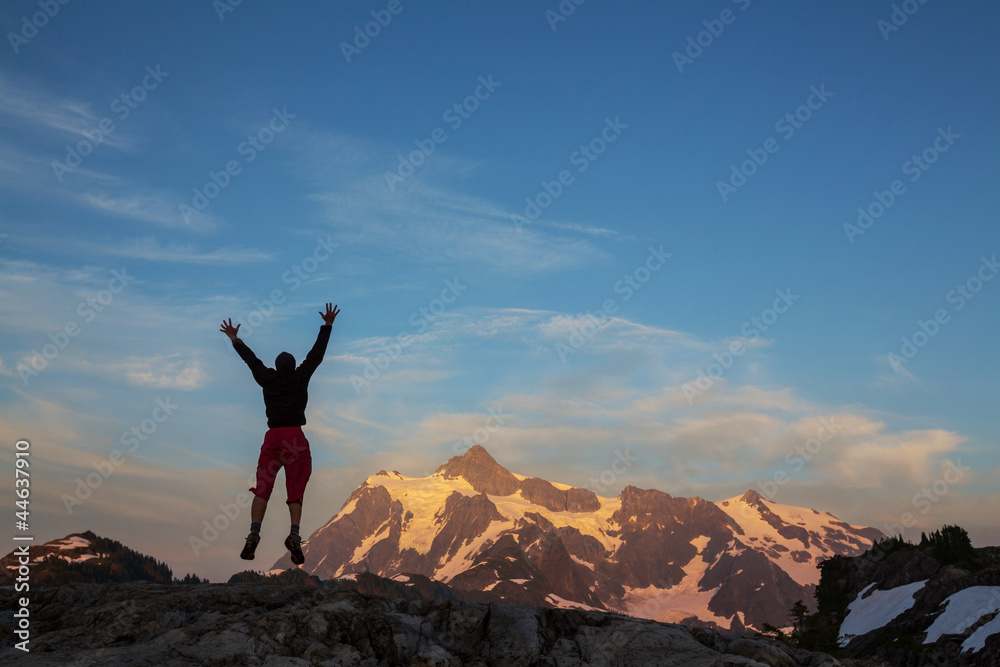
x,y
162,372
158,372
34,108
564,421
148,248
154,207
895,378
430,219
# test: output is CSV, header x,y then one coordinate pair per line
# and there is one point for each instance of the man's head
x,y
284,363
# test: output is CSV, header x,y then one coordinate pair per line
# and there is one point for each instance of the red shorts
x,y
283,446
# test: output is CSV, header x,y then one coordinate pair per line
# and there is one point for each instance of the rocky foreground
x,y
141,623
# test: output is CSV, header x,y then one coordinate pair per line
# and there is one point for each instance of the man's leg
x,y
294,541
257,510
298,467
267,467
253,539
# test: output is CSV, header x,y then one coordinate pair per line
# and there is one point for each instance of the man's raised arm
x,y
315,356
257,366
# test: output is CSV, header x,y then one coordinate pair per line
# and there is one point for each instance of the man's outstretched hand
x,y
229,329
330,315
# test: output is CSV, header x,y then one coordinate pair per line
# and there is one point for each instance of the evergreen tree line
x,y
819,632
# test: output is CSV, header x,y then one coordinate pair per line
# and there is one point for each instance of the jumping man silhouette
x,y
285,397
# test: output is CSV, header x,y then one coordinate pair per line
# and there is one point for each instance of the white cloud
x,y
155,207
887,458
148,248
166,372
28,106
427,220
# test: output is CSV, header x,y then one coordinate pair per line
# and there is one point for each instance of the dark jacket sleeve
x,y
315,356
257,366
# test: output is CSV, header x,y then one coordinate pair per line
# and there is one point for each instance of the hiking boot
x,y
294,544
253,539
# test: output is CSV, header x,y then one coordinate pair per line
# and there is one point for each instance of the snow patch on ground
x,y
72,542
348,508
368,543
962,610
876,610
68,559
466,554
596,524
977,640
563,603
680,601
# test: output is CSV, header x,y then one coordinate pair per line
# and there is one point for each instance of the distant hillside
x,y
932,603
87,558
290,576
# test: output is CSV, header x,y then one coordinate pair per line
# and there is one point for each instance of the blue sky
x,y
310,212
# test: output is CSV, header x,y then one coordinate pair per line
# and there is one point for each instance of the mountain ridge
x,y
473,524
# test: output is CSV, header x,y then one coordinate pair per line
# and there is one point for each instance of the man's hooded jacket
x,y
285,386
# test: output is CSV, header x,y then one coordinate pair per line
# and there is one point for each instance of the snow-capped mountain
x,y
81,557
475,525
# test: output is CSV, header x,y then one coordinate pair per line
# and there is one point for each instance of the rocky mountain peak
x,y
751,497
496,535
482,471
